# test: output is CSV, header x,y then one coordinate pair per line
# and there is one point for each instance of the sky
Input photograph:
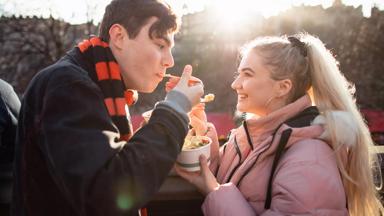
x,y
75,11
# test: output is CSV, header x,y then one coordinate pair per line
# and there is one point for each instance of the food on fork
x,y
208,98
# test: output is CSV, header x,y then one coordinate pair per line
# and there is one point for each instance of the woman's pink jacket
x,y
306,181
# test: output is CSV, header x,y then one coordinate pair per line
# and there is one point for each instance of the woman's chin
x,y
240,108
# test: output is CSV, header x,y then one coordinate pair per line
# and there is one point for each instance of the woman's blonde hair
x,y
313,69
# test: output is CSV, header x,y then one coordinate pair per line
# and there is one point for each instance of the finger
x,y
169,83
199,88
187,73
211,125
199,125
196,114
193,81
185,175
203,164
196,111
197,120
174,79
198,107
169,86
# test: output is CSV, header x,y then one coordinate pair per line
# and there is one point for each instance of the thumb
x,y
186,76
203,164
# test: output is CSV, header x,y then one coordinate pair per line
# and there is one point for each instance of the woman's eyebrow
x,y
247,69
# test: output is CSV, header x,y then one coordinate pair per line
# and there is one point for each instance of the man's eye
x,y
160,46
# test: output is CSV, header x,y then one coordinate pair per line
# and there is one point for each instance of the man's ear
x,y
284,87
117,35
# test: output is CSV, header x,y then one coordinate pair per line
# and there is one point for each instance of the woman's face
x,y
254,86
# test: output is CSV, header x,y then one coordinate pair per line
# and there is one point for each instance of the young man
x,y
75,153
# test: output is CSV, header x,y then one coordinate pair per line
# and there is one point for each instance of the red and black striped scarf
x,y
106,74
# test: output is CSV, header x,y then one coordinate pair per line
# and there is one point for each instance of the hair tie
x,y
297,43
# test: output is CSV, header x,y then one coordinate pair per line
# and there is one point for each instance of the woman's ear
x,y
284,87
117,34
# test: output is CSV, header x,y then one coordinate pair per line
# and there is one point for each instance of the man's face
x,y
143,61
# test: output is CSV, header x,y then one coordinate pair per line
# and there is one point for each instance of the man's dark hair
x,y
134,14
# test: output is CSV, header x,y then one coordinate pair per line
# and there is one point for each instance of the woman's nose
x,y
236,84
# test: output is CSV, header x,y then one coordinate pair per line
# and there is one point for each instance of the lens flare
x,y
124,201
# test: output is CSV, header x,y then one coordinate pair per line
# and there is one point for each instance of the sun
x,y
234,14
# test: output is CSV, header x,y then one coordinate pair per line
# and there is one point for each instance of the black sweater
x,y
68,161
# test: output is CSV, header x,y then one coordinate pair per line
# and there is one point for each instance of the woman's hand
x,y
204,180
198,119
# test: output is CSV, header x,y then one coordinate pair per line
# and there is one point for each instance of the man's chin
x,y
147,89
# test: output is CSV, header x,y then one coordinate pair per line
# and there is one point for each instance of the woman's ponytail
x,y
333,95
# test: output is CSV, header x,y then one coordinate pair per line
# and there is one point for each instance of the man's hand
x,y
172,82
192,92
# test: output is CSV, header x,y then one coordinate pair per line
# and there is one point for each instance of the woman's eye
x,y
247,74
160,46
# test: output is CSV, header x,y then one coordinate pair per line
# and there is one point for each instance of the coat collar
x,y
75,56
260,128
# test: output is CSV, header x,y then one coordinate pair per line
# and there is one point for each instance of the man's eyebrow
x,y
247,69
166,40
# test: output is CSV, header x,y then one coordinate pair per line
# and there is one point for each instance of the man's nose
x,y
168,60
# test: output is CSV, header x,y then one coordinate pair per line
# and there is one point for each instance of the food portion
x,y
194,142
193,147
208,98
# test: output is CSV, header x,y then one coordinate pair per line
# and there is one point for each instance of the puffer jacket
x,y
306,180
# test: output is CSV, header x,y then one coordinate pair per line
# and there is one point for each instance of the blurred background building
x,y
209,40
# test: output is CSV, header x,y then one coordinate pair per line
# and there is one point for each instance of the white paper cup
x,y
188,159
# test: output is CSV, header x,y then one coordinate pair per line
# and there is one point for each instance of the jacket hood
x,y
344,127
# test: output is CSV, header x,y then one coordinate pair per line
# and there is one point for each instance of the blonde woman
x,y
294,158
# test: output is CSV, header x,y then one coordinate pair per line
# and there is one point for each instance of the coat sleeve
x,y
87,162
227,200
